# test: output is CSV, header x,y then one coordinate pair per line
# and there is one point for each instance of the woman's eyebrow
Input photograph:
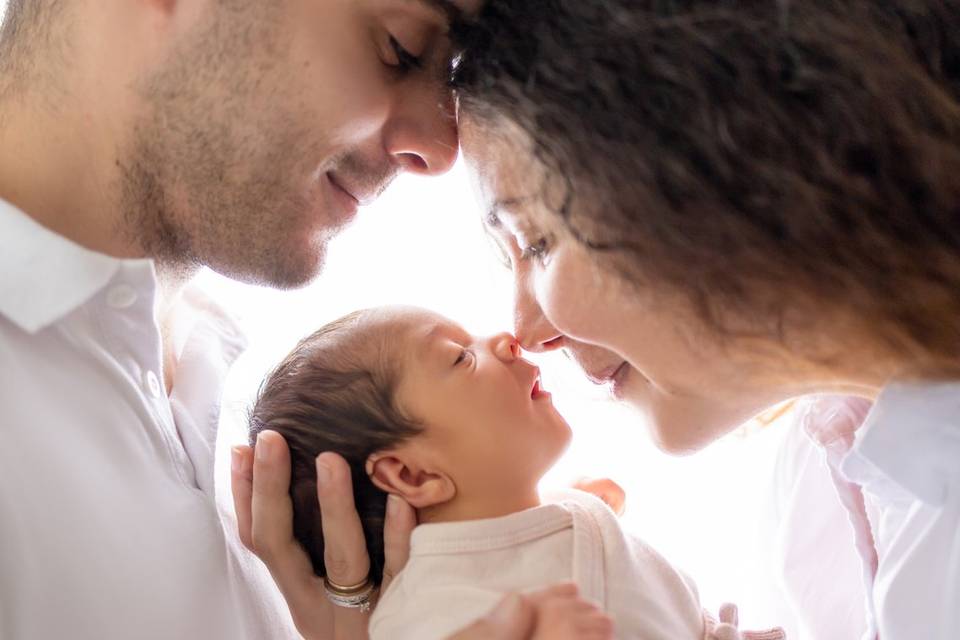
x,y
492,217
451,12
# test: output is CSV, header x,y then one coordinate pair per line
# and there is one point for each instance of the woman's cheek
x,y
569,294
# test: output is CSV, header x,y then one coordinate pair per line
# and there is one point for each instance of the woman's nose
x,y
505,346
534,332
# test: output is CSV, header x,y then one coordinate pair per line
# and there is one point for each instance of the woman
x,y
718,209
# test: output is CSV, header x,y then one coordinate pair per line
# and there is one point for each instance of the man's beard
x,y
209,175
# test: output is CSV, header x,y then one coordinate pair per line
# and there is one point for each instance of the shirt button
x,y
153,384
121,296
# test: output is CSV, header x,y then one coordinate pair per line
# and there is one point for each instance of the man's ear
x,y
397,473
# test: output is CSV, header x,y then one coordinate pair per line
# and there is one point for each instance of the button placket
x,y
121,296
132,310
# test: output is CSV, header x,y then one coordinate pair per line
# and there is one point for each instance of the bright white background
x,y
422,244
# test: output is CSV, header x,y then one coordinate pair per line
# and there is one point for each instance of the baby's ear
x,y
396,472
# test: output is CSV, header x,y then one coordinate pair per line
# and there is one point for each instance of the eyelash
x,y
463,356
406,61
537,250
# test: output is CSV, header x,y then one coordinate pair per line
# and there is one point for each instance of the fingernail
x,y
323,472
393,505
263,448
508,611
236,459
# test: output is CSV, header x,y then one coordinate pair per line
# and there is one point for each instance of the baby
x,y
461,428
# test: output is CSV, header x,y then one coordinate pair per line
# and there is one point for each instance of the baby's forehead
x,y
411,329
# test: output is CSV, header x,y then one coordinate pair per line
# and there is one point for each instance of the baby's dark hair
x,y
335,392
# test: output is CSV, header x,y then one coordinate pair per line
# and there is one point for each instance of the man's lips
x,y
364,194
337,184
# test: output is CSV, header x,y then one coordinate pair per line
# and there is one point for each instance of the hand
x,y
605,489
563,615
555,613
728,628
261,493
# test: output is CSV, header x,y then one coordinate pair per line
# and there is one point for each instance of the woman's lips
x,y
618,379
612,376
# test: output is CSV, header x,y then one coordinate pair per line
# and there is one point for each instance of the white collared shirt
x,y
906,457
110,526
869,515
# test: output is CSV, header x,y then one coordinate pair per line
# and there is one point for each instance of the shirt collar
x,y
910,442
45,275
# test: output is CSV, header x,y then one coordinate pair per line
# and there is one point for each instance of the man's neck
x,y
59,167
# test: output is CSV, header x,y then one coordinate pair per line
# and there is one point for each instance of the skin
x,y
226,134
207,133
471,395
647,344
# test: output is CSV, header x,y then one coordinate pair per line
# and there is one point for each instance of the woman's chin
x,y
678,445
688,427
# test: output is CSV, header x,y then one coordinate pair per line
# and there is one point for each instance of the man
x,y
140,141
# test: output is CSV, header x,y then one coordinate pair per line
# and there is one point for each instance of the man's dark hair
x,y
755,155
335,393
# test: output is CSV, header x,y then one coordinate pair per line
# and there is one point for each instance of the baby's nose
x,y
506,347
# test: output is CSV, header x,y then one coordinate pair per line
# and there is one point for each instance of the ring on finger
x,y
355,596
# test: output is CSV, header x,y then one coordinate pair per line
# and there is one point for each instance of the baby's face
x,y
488,423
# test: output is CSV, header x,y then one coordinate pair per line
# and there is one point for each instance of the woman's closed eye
x,y
405,61
538,249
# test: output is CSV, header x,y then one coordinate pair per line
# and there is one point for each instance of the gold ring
x,y
347,590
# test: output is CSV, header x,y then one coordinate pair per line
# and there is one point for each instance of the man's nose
x,y
422,135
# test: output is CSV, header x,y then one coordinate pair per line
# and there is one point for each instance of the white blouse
x,y
870,519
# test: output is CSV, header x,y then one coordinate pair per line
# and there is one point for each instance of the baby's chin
x,y
559,443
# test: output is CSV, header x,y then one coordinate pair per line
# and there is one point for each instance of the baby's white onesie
x,y
458,571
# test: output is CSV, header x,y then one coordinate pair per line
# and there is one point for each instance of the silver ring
x,y
359,600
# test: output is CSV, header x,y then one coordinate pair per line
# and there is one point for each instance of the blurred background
x,y
422,244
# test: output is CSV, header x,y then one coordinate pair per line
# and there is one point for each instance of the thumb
x,y
511,619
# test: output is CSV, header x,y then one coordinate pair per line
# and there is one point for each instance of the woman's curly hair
x,y
758,156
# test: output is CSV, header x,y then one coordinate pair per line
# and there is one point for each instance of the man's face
x,y
265,124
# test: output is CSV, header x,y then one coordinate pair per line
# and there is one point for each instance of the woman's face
x,y
647,345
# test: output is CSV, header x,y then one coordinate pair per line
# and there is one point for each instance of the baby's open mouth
x,y
537,391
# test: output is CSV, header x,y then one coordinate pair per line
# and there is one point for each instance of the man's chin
x,y
287,272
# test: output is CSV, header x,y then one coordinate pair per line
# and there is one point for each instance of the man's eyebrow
x,y
448,9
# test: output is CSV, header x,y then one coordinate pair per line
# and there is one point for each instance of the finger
x,y
770,634
272,525
729,614
512,619
400,522
345,548
241,484
560,590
